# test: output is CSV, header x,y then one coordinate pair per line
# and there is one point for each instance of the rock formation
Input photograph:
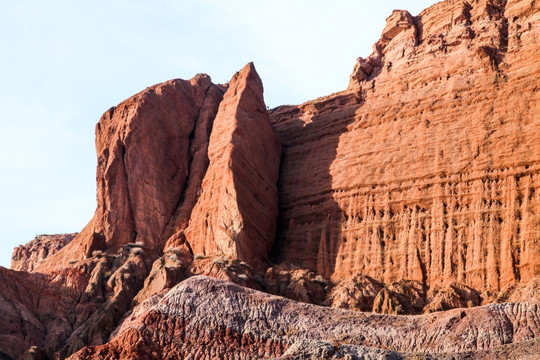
x,y
161,156
207,318
158,162
32,313
414,191
27,257
237,209
427,167
143,162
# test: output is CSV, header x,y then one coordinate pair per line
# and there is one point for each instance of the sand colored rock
x,y
26,257
236,212
433,173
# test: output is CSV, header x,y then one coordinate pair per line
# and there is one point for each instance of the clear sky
x,y
63,63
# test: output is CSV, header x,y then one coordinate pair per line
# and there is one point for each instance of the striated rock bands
x,y
26,257
414,191
434,176
207,318
237,208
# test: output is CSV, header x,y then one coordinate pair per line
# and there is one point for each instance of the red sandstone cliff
x,y
428,166
415,190
237,209
143,162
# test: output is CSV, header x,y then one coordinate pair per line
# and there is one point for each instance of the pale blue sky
x,y
63,63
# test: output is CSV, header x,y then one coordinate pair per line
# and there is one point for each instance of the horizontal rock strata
x,y
414,191
433,174
205,317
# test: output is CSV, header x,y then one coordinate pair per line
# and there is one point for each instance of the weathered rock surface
x,y
428,167
296,284
177,163
237,209
206,318
154,151
144,148
26,257
356,293
414,191
32,309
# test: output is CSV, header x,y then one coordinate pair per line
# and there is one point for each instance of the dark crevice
x,y
422,268
133,236
168,229
4,356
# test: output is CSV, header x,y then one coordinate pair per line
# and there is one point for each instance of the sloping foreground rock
x,y
206,318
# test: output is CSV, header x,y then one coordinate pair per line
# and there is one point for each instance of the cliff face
x,y
415,190
142,148
143,160
427,167
237,209
160,157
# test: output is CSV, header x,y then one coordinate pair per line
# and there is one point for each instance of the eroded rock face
x,y
205,317
414,191
26,257
154,151
146,147
143,162
237,209
356,293
296,284
433,175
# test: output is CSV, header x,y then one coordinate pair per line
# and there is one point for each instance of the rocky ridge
x,y
413,191
255,325
27,257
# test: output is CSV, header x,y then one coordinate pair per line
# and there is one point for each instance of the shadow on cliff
x,y
310,220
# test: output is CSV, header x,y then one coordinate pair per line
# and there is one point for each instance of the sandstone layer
x,y
154,151
143,163
27,257
206,318
237,209
428,167
160,157
414,191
